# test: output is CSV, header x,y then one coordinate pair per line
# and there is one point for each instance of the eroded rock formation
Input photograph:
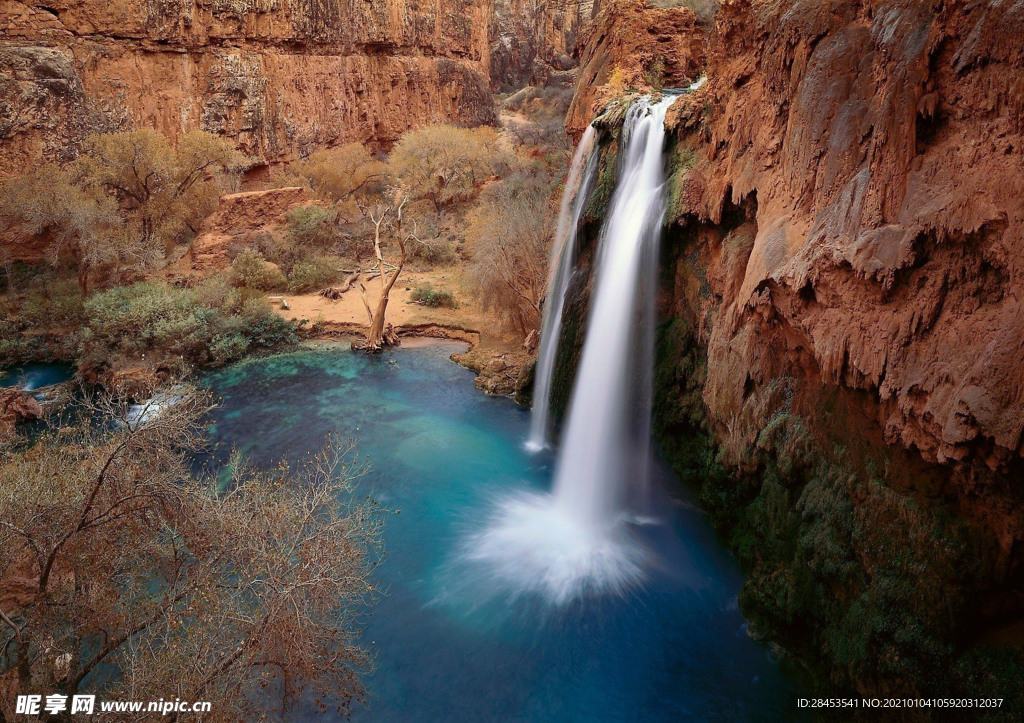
x,y
17,407
876,148
630,45
240,218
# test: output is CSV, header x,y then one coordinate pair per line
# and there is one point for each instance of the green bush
x,y
434,251
312,275
312,226
42,325
427,295
57,303
251,270
206,327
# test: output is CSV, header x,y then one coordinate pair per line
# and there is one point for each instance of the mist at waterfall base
x,y
580,540
441,453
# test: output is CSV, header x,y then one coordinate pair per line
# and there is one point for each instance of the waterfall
x,y
580,539
563,256
605,444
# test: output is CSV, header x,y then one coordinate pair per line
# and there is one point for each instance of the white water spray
x,y
563,257
579,540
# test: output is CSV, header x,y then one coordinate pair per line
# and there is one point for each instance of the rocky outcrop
x,y
532,42
239,219
281,77
632,46
841,365
876,148
17,407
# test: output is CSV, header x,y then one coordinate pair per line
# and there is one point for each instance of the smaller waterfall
x,y
563,256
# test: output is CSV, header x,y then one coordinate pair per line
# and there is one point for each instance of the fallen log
x,y
336,292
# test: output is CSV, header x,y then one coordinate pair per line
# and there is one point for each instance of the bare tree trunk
x,y
381,333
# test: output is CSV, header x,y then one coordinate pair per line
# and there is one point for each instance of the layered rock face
x,y
240,217
282,77
842,356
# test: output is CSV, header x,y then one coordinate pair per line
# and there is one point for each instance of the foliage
x,y
444,164
427,295
510,233
345,173
145,581
56,303
41,325
618,82
705,10
80,222
543,131
164,190
115,212
436,250
312,226
206,327
252,271
312,275
654,72
868,581
682,160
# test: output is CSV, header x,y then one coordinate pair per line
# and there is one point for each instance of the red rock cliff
x,y
283,77
880,149
847,230
532,40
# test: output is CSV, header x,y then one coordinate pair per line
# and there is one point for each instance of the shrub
x,y
43,326
251,270
427,295
172,187
511,233
312,226
443,164
116,211
261,241
312,275
705,10
434,251
210,326
343,173
57,303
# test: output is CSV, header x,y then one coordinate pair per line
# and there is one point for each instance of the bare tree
x,y
117,557
387,218
511,232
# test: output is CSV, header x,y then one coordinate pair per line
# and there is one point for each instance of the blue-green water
x,y
441,453
33,376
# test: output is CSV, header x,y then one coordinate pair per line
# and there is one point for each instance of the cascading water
x,y
563,256
578,540
605,445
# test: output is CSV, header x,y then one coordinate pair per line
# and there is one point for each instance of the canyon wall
x,y
841,359
532,40
282,77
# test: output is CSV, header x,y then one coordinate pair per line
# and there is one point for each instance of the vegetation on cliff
x,y
123,205
870,585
